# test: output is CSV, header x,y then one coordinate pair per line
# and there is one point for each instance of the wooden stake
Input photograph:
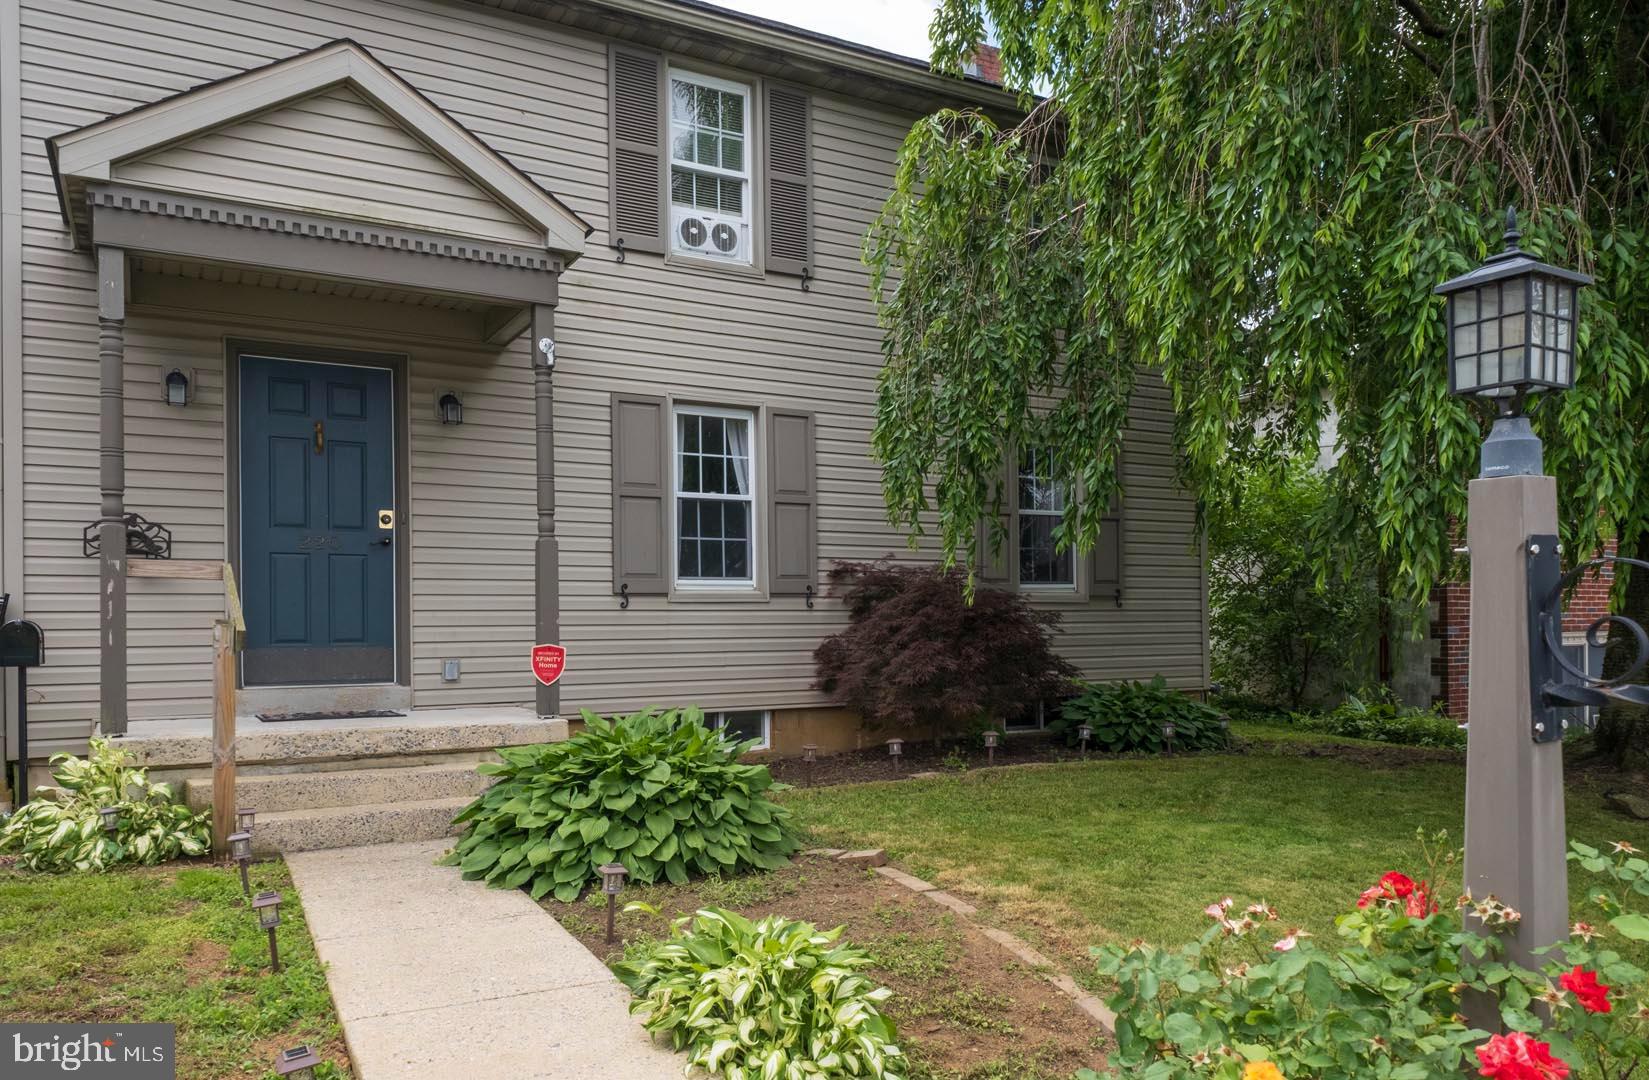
x,y
223,736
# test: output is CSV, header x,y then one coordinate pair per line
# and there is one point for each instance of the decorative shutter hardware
x,y
810,597
637,153
624,596
788,181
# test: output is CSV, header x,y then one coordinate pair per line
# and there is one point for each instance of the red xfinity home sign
x,y
548,662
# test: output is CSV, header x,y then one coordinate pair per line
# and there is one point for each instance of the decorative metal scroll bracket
x,y
810,597
145,539
624,596
1554,681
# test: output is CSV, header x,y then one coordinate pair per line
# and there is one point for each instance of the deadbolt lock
x,y
386,519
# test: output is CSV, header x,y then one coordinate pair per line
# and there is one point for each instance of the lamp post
x,y
895,747
268,907
240,849
1511,333
1083,734
612,883
990,748
810,755
1168,736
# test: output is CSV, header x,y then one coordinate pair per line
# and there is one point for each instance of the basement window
x,y
744,724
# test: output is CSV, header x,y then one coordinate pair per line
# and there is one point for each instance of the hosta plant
x,y
62,829
656,791
1128,717
773,999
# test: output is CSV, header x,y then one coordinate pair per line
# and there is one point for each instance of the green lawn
x,y
1114,849
167,945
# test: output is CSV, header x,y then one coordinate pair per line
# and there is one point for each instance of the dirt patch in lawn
x,y
873,763
966,1009
1371,756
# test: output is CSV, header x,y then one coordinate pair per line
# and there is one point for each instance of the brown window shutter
x,y
1000,567
640,490
1107,553
792,496
788,180
636,151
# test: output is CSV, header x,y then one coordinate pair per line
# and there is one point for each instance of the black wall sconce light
x,y
449,408
179,388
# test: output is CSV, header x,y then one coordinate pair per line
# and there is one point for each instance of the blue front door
x,y
317,475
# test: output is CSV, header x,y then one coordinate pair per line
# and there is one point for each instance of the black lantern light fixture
x,y
612,883
1083,734
810,755
297,1063
111,819
268,908
990,747
1168,730
244,819
1511,333
177,388
240,849
449,408
895,748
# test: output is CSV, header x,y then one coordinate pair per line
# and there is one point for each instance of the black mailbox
x,y
22,644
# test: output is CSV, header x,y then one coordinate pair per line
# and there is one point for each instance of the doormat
x,y
364,714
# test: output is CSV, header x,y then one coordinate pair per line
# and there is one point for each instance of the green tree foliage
x,y
1251,200
1277,632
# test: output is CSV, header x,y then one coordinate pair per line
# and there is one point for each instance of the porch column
x,y
111,355
547,551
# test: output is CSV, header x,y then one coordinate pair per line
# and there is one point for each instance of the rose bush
x,y
1255,1000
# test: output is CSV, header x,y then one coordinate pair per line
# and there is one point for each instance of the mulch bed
x,y
873,763
965,1008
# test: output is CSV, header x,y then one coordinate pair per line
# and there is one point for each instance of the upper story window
x,y
715,501
1042,502
709,167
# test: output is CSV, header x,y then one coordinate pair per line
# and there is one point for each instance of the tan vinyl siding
x,y
332,153
537,93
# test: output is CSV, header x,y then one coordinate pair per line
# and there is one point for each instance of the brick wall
x,y
986,63
1452,628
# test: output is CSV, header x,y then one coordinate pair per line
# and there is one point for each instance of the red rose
x,y
1592,995
1370,895
1398,885
1518,1057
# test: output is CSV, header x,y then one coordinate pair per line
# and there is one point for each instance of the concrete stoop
x,y
320,785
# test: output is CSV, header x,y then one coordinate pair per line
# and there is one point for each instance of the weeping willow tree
x,y
1251,201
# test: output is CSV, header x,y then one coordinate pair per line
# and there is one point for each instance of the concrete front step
x,y
298,743
352,826
275,792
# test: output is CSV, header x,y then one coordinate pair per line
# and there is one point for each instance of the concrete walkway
x,y
436,977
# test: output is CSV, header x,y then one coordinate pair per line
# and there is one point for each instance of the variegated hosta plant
x,y
61,829
656,791
768,1000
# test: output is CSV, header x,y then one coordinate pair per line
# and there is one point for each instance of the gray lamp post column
x,y
1511,327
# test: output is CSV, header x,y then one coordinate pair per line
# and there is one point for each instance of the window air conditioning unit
x,y
705,232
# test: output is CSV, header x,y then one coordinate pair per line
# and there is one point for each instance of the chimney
x,y
985,63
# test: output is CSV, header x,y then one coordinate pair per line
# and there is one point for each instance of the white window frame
x,y
1038,724
714,720
1071,586
747,92
1576,639
743,585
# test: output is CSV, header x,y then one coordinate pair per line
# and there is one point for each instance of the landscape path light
x,y
810,756
1225,729
990,748
240,849
297,1063
111,819
895,748
1168,735
268,908
1083,734
612,883
244,817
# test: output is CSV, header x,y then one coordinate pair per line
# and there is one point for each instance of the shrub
x,y
1128,717
1275,631
917,654
1386,721
658,792
768,999
1248,1001
65,831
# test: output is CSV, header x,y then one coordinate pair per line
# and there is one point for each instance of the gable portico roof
x,y
87,155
